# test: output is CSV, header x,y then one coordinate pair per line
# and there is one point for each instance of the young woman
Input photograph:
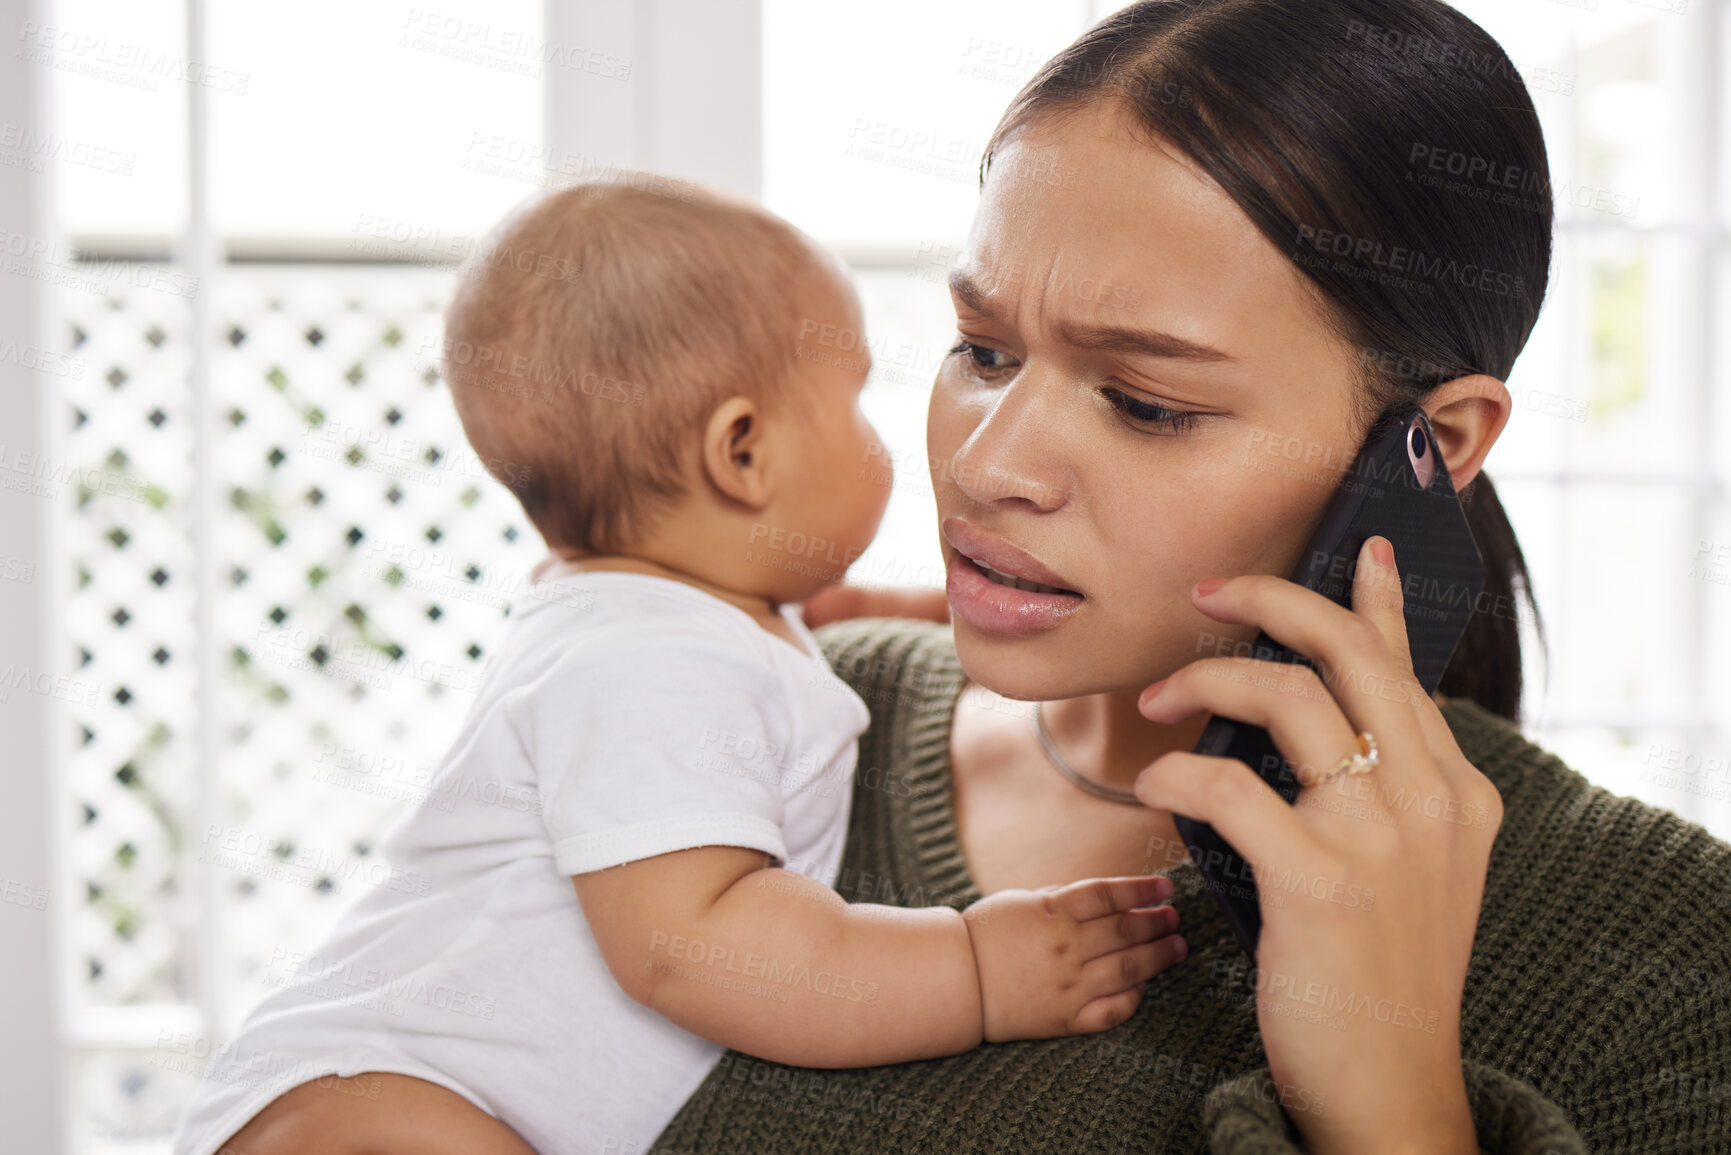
x,y
1211,245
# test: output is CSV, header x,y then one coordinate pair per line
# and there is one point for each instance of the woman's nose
x,y
1016,452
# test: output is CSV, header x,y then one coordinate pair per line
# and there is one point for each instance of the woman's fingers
x,y
1226,794
1374,688
1378,594
1287,700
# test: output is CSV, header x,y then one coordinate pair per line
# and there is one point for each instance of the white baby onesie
x,y
623,716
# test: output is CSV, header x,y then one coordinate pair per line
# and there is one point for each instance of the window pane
x,y
876,115
119,105
358,117
331,119
909,324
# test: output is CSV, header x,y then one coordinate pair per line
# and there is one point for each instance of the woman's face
x,y
1144,394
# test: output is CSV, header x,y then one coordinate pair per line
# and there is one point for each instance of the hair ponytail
x,y
1486,666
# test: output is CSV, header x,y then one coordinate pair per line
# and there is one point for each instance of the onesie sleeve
x,y
663,739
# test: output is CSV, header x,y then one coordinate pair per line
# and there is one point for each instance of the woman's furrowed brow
x,y
1144,342
1104,338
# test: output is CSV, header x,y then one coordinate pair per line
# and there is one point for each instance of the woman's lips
x,y
1000,609
1003,556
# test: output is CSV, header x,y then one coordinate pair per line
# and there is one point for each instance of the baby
x,y
668,378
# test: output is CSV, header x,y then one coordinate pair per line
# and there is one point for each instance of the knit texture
x,y
1596,1013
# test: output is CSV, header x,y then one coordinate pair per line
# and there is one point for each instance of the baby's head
x,y
669,373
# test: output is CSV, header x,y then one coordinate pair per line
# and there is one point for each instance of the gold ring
x,y
1361,761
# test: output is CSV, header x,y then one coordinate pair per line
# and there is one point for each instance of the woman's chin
x,y
1007,670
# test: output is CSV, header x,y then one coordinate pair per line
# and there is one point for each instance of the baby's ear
x,y
733,444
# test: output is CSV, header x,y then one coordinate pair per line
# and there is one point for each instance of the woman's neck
x,y
1105,738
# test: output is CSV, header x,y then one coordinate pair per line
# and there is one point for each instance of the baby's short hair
x,y
596,328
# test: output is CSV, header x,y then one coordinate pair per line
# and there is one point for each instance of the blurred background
x,y
249,569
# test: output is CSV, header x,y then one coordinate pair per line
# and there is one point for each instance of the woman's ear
x,y
734,452
1468,415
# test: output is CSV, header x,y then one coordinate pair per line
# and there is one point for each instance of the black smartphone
x,y
1397,487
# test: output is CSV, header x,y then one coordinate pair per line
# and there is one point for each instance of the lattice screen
x,y
364,562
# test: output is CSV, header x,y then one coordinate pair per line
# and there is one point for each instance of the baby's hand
x,y
1070,960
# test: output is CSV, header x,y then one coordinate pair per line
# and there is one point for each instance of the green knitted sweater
x,y
1597,1007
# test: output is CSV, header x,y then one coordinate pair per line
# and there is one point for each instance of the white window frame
x,y
33,1060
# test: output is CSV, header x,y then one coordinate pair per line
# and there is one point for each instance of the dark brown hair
x,y
1391,150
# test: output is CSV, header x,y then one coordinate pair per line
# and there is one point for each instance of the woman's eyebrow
x,y
1146,342
1106,338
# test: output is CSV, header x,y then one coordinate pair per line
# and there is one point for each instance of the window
x,y
283,568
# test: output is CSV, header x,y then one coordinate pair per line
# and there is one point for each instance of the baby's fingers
x,y
1114,981
1101,897
1101,936
1106,1012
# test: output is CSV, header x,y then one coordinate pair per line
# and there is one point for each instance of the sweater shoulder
x,y
1562,811
903,669
1623,908
873,653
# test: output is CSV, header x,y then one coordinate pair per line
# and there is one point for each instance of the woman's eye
x,y
1175,420
983,357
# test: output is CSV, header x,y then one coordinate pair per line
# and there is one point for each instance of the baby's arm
x,y
826,983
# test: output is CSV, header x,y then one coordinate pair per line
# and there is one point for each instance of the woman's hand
x,y
837,602
1370,885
